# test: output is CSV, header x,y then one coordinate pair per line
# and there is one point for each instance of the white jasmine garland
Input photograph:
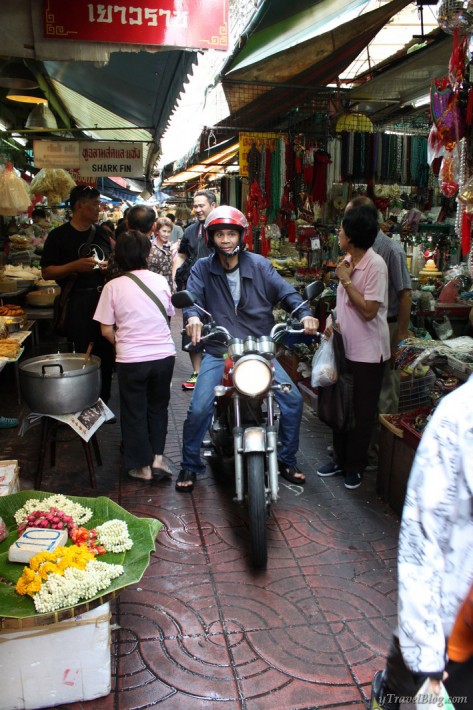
x,y
59,591
114,536
78,512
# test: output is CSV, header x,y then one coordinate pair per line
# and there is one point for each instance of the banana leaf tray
x,y
18,612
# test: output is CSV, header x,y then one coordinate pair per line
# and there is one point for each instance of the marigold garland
x,y
61,578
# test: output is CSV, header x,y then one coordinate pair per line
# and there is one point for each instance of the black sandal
x,y
187,477
290,473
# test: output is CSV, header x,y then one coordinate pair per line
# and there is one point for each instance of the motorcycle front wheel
x,y
257,508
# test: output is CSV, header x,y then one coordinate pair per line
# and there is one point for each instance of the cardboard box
x,y
57,663
9,477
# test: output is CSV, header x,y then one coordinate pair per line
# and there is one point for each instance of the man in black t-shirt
x,y
193,246
67,251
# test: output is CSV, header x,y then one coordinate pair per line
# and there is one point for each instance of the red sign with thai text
x,y
199,24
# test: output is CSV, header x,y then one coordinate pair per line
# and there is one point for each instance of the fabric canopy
x,y
299,70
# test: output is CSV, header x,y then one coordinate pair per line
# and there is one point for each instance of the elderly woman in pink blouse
x,y
362,299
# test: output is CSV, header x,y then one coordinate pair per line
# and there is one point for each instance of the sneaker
x,y
381,697
329,469
190,383
353,480
8,422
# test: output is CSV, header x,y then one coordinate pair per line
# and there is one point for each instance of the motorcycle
x,y
244,421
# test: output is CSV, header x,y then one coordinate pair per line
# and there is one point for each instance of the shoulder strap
x,y
70,283
148,293
91,234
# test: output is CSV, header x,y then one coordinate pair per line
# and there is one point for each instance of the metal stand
x,y
49,427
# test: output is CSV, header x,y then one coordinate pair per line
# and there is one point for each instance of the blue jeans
x,y
199,414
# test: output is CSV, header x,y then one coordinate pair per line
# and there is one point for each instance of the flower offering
x,y
62,578
74,513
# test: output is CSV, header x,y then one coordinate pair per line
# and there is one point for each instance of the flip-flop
x,y
161,472
290,474
185,477
133,474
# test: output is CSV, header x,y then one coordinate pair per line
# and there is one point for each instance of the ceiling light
x,y
16,75
354,122
41,118
25,96
421,101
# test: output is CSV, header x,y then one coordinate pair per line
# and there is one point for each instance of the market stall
x,y
432,370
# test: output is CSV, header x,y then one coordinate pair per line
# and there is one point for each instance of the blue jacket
x,y
262,288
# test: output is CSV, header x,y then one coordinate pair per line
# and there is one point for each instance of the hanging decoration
x,y
55,184
455,15
354,123
255,205
14,196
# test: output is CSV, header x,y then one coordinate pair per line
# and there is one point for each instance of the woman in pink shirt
x,y
145,354
362,299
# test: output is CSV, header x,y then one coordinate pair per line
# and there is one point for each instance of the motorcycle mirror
x,y
183,299
313,290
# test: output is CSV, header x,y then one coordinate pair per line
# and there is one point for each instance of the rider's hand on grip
x,y
194,329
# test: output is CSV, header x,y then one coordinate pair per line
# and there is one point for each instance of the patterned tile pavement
x,y
203,629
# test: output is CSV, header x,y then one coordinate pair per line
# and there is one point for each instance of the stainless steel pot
x,y
59,384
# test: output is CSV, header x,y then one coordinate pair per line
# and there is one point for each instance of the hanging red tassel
x,y
467,221
291,231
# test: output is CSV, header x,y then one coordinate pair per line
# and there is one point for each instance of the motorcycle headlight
x,y
252,375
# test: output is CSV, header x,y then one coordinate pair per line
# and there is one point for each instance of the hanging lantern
x,y
455,15
354,122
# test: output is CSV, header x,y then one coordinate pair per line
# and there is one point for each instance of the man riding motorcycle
x,y
241,289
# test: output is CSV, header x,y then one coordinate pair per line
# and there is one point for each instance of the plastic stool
x,y
49,428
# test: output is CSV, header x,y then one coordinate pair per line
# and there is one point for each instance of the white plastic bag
x,y
324,369
428,700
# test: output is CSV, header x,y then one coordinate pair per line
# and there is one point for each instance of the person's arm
x,y
80,266
368,309
429,528
108,332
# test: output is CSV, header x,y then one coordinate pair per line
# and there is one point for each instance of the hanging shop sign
x,y
97,158
256,141
91,159
56,154
200,24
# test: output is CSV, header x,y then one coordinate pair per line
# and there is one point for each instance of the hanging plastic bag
x,y
442,328
324,368
426,699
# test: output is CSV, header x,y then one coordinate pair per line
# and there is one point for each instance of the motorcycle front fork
x,y
266,439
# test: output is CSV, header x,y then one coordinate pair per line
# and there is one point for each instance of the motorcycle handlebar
x,y
213,332
294,328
